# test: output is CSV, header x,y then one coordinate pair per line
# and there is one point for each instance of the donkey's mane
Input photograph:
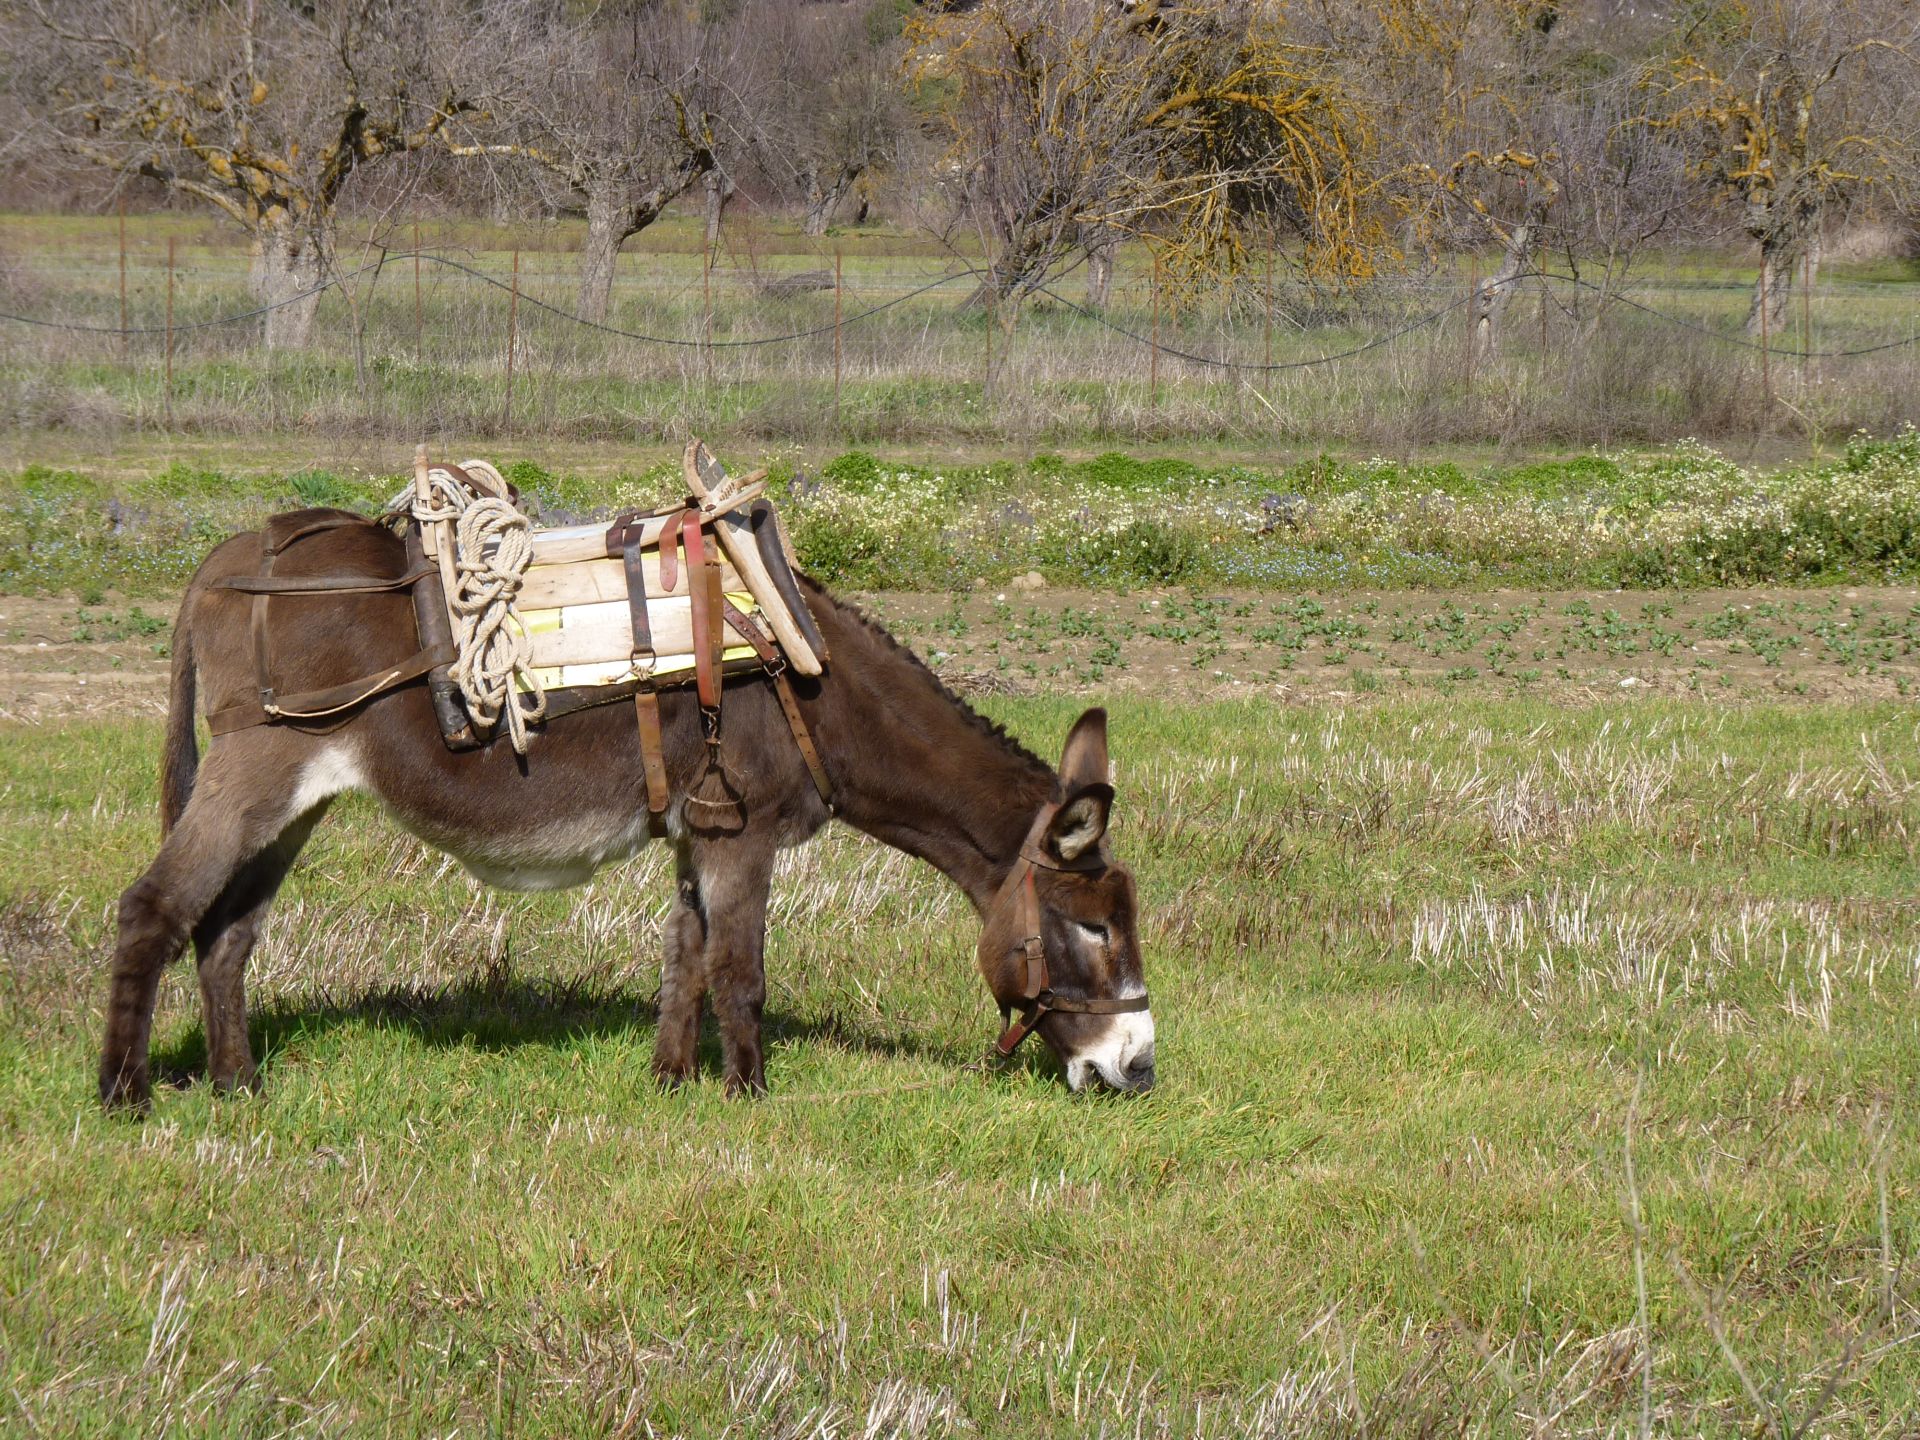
x,y
991,729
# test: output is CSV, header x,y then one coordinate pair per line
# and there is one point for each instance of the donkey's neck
x,y
913,766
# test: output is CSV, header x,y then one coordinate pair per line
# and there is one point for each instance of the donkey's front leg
x,y
735,877
683,979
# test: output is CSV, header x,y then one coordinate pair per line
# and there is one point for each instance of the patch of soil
x,y
1851,642
59,659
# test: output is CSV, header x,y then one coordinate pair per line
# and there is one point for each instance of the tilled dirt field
x,y
59,658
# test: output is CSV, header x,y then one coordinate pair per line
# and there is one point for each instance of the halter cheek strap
x,y
1036,996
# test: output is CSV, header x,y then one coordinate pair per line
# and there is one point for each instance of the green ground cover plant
x,y
1527,1069
1683,516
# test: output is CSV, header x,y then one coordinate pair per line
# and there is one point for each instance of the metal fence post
x,y
1153,371
419,317
1766,351
170,240
513,330
125,339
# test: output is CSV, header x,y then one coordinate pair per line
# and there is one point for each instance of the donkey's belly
x,y
522,843
549,857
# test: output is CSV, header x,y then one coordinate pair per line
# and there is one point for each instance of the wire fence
x,y
426,339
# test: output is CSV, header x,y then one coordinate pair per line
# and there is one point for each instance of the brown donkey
x,y
908,764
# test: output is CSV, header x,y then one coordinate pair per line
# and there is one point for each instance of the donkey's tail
x,y
181,761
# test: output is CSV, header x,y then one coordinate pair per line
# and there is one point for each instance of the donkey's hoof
x,y
746,1087
671,1077
244,1083
125,1092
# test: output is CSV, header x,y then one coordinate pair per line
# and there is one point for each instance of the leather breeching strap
x,y
1036,996
334,699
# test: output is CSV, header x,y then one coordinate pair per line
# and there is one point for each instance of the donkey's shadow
x,y
494,1014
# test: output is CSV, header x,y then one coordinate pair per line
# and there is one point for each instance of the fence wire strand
x,y
970,273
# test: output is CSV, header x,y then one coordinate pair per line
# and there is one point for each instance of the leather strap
x,y
703,589
802,737
273,544
749,630
653,763
646,704
637,604
1036,988
257,628
317,704
270,584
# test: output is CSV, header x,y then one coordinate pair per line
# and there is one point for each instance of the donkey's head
x,y
1060,949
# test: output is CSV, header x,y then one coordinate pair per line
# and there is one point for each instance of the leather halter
x,y
1036,997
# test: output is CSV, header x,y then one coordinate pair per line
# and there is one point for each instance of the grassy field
x,y
396,357
1525,1066
1528,914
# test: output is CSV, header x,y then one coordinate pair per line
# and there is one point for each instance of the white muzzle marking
x,y
1119,1057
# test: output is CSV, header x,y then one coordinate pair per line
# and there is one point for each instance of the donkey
x,y
908,763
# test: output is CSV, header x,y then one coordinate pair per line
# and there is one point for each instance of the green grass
x,y
1411,963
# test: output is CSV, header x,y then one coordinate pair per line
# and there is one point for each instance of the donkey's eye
x,y
1092,931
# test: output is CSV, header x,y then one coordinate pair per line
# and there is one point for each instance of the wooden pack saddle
x,y
682,595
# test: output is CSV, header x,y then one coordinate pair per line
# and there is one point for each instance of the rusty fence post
x,y
125,338
170,240
1153,371
706,310
513,334
419,320
1766,345
1473,304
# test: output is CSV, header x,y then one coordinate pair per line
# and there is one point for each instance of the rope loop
x,y
492,548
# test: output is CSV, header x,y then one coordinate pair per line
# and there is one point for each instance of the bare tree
x,y
1796,112
624,109
260,109
829,105
1196,124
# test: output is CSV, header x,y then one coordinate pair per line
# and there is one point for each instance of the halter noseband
x,y
1036,995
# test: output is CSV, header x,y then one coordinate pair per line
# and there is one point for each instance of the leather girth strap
x,y
646,704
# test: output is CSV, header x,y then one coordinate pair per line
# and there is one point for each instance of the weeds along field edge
x,y
1526,1068
466,340
1684,515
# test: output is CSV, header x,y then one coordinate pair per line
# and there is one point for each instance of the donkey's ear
x,y
1079,823
1084,761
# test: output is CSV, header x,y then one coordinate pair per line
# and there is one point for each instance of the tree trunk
x,y
289,263
1788,233
824,199
719,191
619,207
606,232
1100,273
1490,300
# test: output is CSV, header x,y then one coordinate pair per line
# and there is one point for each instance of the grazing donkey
x,y
907,762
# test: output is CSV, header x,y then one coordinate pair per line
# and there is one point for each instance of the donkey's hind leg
x,y
683,979
240,807
223,940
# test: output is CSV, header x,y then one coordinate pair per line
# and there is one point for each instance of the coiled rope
x,y
492,547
